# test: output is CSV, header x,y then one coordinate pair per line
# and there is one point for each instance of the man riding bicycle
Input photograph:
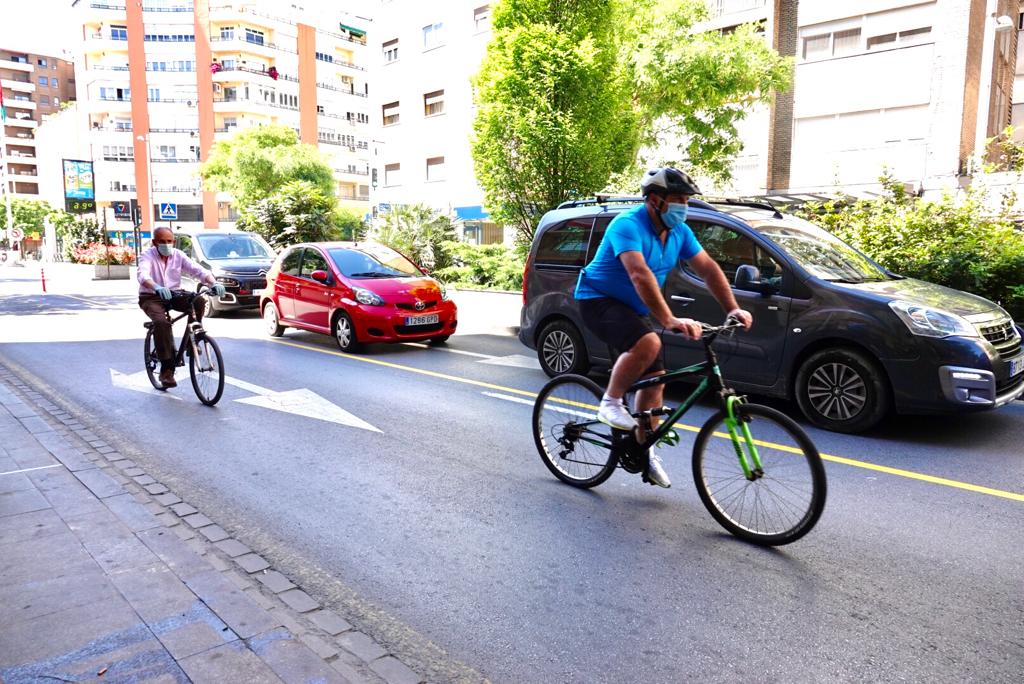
x,y
160,269
619,292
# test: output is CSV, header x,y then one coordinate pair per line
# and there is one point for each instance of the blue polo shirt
x,y
632,230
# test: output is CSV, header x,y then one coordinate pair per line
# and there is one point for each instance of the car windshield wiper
x,y
373,274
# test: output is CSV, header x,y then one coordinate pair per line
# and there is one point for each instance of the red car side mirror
x,y
320,276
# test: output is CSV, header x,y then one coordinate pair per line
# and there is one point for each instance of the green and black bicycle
x,y
757,472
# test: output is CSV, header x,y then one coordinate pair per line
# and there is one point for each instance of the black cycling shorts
x,y
618,325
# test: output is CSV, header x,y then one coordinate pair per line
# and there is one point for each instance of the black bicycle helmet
x,y
668,181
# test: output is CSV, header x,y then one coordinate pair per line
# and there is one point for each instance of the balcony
x,y
13,155
718,8
234,103
18,86
102,11
98,42
23,176
16,66
20,123
232,75
21,139
15,103
237,44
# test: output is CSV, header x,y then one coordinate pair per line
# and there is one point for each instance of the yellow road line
x,y
899,472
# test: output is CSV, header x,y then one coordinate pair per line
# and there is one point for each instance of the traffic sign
x,y
17,234
123,211
168,211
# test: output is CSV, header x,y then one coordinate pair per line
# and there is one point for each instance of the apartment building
x,y
162,80
909,86
425,55
34,86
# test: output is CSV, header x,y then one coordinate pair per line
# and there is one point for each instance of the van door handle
x,y
681,298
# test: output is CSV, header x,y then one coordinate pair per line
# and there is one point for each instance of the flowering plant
x,y
98,253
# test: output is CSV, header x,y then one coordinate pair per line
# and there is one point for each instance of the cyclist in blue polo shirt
x,y
619,292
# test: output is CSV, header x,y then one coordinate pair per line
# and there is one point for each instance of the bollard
x,y
42,276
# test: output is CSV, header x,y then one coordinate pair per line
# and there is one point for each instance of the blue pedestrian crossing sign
x,y
168,211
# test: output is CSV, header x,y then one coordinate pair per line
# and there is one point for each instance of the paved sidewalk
x,y
105,575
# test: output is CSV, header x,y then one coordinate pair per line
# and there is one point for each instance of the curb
x,y
297,626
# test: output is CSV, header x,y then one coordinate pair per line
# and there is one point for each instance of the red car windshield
x,y
372,262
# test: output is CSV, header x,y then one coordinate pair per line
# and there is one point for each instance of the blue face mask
x,y
675,215
165,250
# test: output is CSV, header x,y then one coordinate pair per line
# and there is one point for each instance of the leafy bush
x,y
483,267
417,231
958,240
98,253
75,232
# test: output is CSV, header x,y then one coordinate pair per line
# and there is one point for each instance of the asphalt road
x,y
442,534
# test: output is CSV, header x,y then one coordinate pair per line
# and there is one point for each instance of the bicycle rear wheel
x,y
573,445
151,361
777,507
206,367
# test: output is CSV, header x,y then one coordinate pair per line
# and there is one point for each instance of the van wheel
x,y
842,390
560,350
208,309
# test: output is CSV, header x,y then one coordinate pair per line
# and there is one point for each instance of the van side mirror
x,y
748,278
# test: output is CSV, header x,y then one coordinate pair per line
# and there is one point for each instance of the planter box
x,y
111,271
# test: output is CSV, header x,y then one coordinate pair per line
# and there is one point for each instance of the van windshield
x,y
821,253
233,247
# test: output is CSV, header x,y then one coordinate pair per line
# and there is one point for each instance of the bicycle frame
x,y
189,336
739,431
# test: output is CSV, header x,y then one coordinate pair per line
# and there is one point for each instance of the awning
x,y
473,213
353,30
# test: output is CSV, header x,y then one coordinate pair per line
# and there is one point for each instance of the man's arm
x,y
647,287
712,275
145,274
196,271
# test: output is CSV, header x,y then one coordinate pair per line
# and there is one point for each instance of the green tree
x,y
554,116
419,232
350,223
298,212
29,215
569,92
75,232
256,162
693,88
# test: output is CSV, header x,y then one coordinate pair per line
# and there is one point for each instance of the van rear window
x,y
565,244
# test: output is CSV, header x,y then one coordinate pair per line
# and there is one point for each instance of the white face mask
x,y
165,250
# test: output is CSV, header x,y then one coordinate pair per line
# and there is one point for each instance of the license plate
x,y
258,293
421,320
1016,366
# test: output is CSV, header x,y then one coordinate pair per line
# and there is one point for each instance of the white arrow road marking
x,y
138,382
548,407
304,402
515,360
248,386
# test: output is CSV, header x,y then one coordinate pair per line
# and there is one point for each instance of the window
x,y
390,113
227,32
845,42
565,244
881,42
435,169
312,260
230,123
41,62
432,36
119,33
290,264
56,101
253,36
482,18
44,99
732,250
53,83
168,152
392,174
154,94
433,103
44,81
391,50
816,47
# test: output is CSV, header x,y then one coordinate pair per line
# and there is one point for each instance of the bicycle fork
x,y
750,460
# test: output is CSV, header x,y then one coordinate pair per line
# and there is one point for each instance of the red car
x,y
358,292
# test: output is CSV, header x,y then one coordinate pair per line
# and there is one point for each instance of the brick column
x,y
783,26
140,109
204,86
306,45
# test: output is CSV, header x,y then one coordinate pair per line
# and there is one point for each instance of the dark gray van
x,y
238,260
844,337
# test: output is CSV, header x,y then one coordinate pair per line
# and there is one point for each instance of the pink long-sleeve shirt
x,y
168,272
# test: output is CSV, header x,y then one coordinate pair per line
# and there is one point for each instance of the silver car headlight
x,y
364,296
929,322
444,291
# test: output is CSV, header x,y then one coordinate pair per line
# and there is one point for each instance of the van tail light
x,y
526,270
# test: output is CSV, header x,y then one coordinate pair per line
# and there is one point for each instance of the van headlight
x,y
364,296
929,322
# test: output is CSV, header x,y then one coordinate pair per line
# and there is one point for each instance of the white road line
x,y
25,470
450,351
248,386
548,406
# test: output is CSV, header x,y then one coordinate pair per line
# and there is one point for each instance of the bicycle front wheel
x,y
206,367
151,361
784,501
574,446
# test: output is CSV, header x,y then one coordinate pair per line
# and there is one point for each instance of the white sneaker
x,y
616,415
656,472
